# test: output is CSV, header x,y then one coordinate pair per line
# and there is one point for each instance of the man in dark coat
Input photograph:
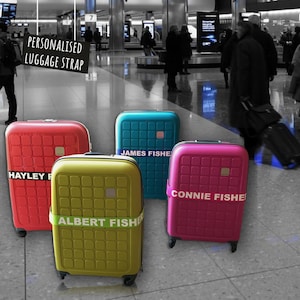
x,y
88,35
7,74
247,82
186,48
174,57
97,39
147,41
268,45
225,55
296,38
286,40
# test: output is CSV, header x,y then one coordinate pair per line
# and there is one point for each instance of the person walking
x,y
296,38
294,88
97,39
186,48
286,40
147,41
69,35
7,74
88,35
247,83
225,58
267,43
26,32
173,58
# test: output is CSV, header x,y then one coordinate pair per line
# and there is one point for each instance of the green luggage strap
x,y
96,222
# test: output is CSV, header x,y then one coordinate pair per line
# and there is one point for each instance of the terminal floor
x,y
266,264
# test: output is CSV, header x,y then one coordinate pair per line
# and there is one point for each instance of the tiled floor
x,y
267,262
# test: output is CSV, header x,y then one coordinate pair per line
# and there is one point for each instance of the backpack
x,y
12,56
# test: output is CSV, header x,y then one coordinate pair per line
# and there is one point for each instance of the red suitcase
x,y
31,149
206,192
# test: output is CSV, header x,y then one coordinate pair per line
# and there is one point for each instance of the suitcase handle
x,y
123,157
208,141
93,153
50,120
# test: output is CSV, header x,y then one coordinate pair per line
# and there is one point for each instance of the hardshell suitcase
x,y
31,148
97,216
206,192
148,137
283,144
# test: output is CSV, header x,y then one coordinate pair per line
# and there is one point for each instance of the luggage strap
x,y
205,196
96,222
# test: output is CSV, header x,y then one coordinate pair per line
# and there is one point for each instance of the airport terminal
x,y
96,87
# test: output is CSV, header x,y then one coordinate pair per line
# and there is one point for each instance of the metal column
x,y
237,7
175,12
116,23
90,8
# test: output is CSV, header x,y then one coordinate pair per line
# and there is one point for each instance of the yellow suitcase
x,y
97,216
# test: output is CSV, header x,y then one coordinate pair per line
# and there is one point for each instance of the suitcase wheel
x,y
172,242
129,279
21,232
233,246
62,274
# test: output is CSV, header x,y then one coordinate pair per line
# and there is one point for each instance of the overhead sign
x,y
55,53
90,18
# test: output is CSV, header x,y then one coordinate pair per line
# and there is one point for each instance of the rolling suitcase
x,y
283,144
148,137
31,148
97,216
206,192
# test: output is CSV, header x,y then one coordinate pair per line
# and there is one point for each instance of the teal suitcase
x,y
148,137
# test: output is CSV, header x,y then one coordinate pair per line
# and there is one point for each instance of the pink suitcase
x,y
206,192
31,149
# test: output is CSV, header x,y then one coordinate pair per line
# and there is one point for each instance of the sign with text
x,y
207,32
60,54
90,18
151,26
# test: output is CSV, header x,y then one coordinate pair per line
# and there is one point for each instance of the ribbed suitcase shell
x,y
203,179
31,148
149,137
97,187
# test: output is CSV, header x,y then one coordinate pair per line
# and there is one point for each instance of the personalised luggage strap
x,y
205,196
96,222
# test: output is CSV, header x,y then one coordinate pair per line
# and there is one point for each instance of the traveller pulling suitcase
x,y
206,192
97,216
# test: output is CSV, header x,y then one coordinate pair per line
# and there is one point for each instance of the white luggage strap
x,y
96,222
